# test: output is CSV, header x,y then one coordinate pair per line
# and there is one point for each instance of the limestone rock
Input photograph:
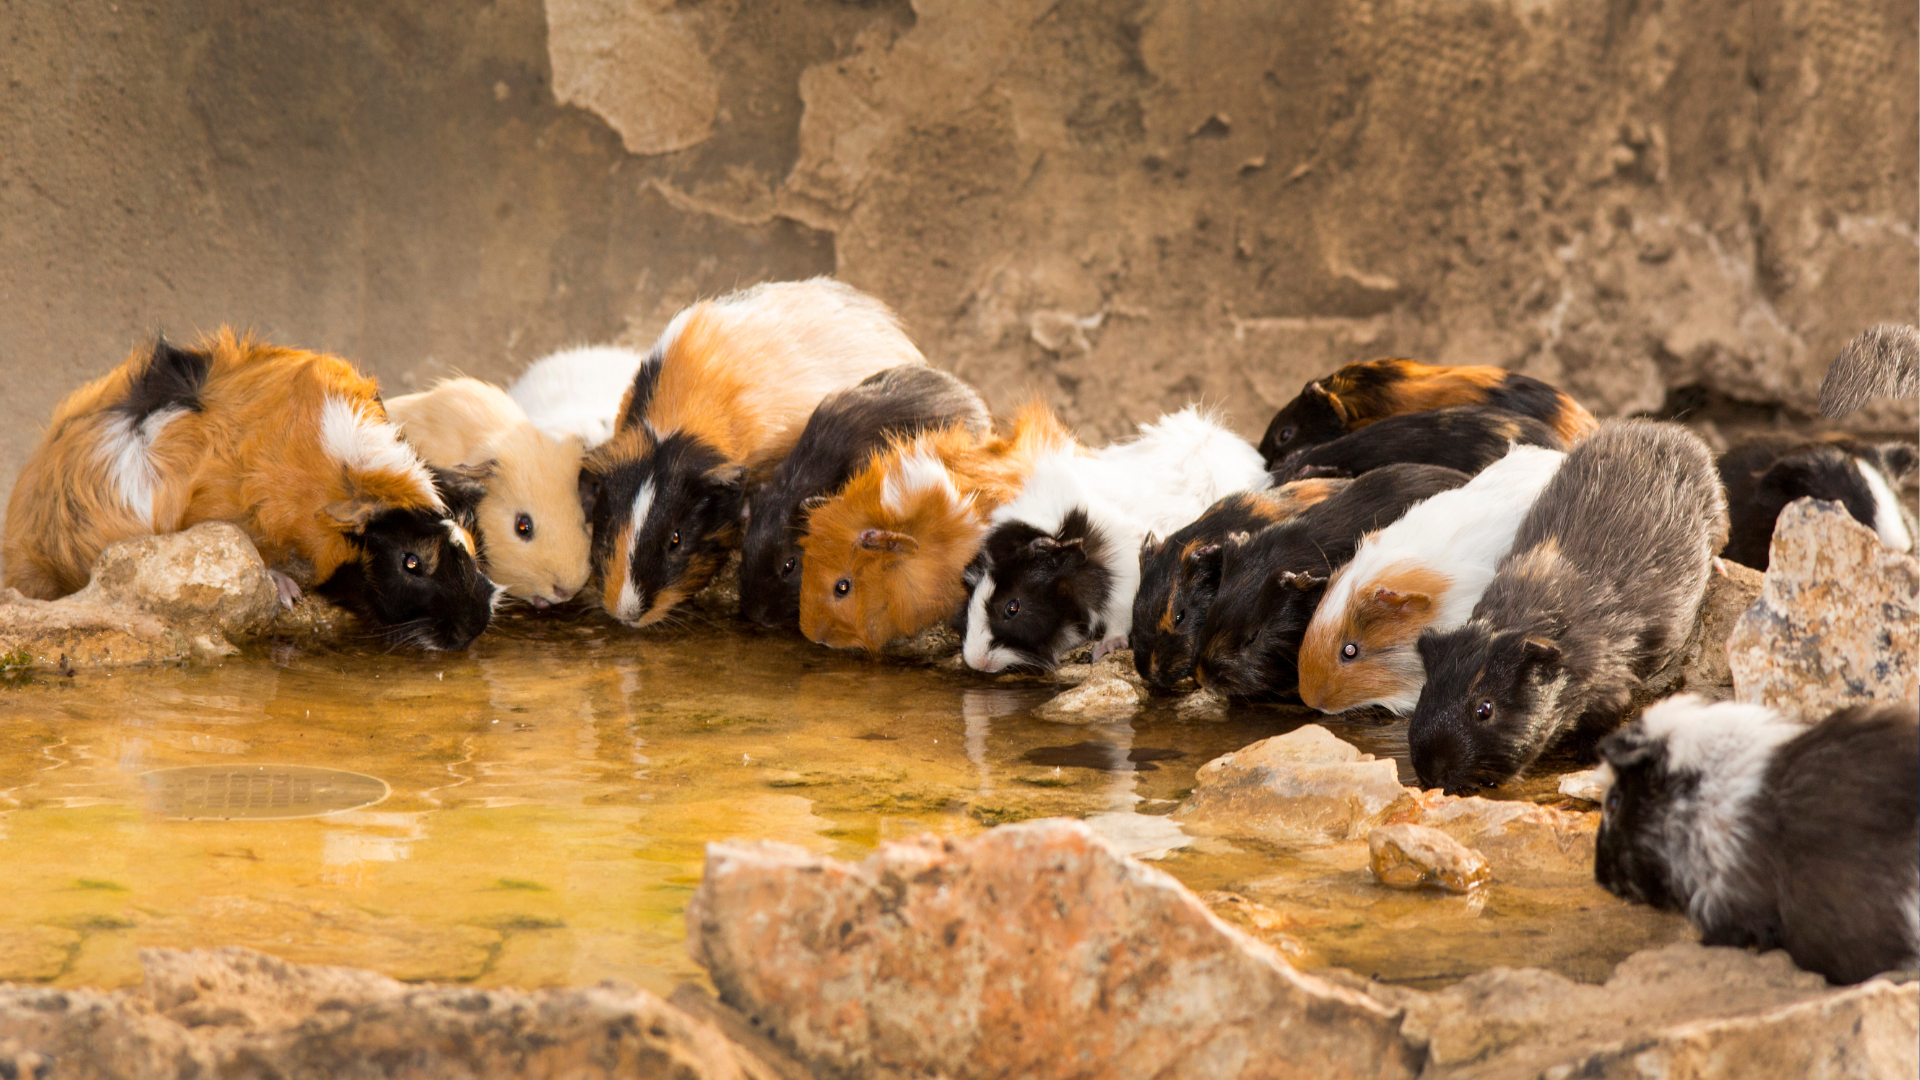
x,y
1589,785
1836,623
643,67
1103,698
1731,590
1515,835
1115,665
1415,856
1031,950
1202,704
1305,787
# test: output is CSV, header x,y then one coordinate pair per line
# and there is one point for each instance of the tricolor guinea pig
x,y
1763,475
1178,580
887,556
1269,583
842,433
1061,562
1363,393
1425,571
532,528
1600,589
1771,834
737,379
292,446
1463,437
576,392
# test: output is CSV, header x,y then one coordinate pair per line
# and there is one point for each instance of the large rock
x,y
1731,590
1836,622
1515,836
1416,856
1033,950
1305,787
1104,697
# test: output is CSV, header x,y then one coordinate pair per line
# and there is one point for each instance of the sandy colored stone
x,y
1117,664
1515,835
643,67
1032,950
1416,856
1305,787
1589,785
1731,590
1105,697
1202,704
1837,622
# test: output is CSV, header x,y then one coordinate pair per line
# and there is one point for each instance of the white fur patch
x,y
979,650
363,444
1887,518
918,472
461,538
628,607
577,392
126,449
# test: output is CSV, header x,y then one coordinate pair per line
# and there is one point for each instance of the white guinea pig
x,y
577,391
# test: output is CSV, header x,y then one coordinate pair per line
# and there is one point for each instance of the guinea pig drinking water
x,y
292,446
1175,590
577,392
737,379
1268,584
842,433
1061,561
532,529
1360,394
1601,588
1426,570
1771,834
1764,474
1464,437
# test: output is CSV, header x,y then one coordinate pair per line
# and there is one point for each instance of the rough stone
x,y
1117,664
1305,787
1202,704
1515,836
1032,950
1731,590
1588,785
1416,856
1837,622
643,67
1105,697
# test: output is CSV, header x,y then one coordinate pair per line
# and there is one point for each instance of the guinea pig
x,y
1763,475
1464,437
1771,834
1884,361
1600,589
532,529
292,446
738,377
1360,394
1269,583
888,555
1426,570
1175,592
842,433
1060,561
576,393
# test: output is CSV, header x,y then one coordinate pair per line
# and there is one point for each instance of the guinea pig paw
x,y
285,588
1107,645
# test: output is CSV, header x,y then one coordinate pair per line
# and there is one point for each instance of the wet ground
x,y
533,812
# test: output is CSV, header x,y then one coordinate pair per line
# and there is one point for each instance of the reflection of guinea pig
x,y
1360,394
887,556
735,382
1269,583
533,532
292,446
1062,560
1771,834
847,427
577,391
1426,570
1464,437
1599,591
1763,475
1175,585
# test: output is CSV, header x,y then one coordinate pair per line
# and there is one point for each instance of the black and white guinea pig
x,y
1763,475
1769,833
1463,437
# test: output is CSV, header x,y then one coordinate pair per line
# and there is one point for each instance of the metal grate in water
x,y
258,792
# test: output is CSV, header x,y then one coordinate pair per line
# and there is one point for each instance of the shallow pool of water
x,y
541,803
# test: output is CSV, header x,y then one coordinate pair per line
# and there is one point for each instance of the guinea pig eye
x,y
523,527
1349,651
1013,608
1483,711
1286,433
1613,803
674,540
1180,616
842,587
411,562
787,567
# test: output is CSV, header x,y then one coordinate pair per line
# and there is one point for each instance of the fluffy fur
x,y
1174,593
292,446
1360,394
1426,570
1599,591
1763,475
1061,560
843,432
576,393
1771,834
532,528
1884,361
1269,584
887,556
737,379
1464,437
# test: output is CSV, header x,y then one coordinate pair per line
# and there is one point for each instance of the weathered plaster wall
x,y
1118,205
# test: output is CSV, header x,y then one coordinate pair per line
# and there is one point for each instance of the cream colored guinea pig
x,y
533,532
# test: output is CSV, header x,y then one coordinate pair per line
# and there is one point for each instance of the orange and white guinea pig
x,y
533,531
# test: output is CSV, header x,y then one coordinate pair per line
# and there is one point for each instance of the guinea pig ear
x,y
1147,544
587,487
1629,748
1898,460
727,478
463,485
1332,400
1537,652
813,502
1399,601
1302,581
1074,550
350,516
891,542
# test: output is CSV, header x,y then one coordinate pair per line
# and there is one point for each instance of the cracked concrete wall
x,y
1118,205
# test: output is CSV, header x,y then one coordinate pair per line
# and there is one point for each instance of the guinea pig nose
x,y
540,603
562,594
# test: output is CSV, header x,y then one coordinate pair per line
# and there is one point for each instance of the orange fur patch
x,y
1331,683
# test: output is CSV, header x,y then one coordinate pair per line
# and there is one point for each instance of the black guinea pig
x,y
846,428
1600,589
1269,584
1763,475
1771,834
1463,437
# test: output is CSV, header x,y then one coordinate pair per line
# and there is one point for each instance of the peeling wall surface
x,y
1119,206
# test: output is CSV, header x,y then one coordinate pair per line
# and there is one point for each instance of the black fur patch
x,y
1181,575
1047,587
1481,688
694,517
1763,475
443,602
172,378
1307,420
1629,859
1464,437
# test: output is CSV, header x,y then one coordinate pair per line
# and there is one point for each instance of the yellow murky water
x,y
550,793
